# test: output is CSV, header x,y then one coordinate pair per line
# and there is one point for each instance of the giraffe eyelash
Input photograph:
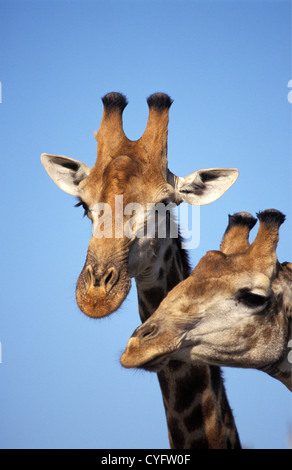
x,y
85,207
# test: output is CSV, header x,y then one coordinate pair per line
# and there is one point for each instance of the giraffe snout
x,y
106,280
101,290
148,348
137,352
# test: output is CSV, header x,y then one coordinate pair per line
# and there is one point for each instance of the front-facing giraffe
x,y
198,415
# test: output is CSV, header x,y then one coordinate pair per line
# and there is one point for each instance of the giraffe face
x,y
227,313
120,246
208,320
128,176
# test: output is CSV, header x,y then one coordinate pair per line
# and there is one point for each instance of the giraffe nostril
x,y
89,277
149,331
110,278
107,280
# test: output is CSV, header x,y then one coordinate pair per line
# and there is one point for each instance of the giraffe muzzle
x,y
100,292
145,349
107,281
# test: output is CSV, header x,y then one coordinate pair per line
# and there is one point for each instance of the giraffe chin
x,y
153,365
156,364
96,302
137,357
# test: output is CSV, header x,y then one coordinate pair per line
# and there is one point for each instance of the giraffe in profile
x,y
138,171
235,309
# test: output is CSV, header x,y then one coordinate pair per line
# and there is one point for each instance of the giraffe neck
x,y
282,370
197,410
282,286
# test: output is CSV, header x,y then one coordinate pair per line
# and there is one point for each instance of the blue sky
x,y
227,65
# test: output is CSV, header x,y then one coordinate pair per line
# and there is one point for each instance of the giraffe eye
x,y
252,300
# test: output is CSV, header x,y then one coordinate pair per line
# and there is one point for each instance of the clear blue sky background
x,y
227,65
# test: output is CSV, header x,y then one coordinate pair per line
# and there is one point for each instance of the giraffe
x,y
138,171
235,309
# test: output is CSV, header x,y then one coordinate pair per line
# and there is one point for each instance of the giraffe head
x,y
127,176
233,310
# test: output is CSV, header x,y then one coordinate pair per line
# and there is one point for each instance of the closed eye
x,y
252,300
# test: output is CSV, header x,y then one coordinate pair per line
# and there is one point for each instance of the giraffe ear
x,y
204,186
65,172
